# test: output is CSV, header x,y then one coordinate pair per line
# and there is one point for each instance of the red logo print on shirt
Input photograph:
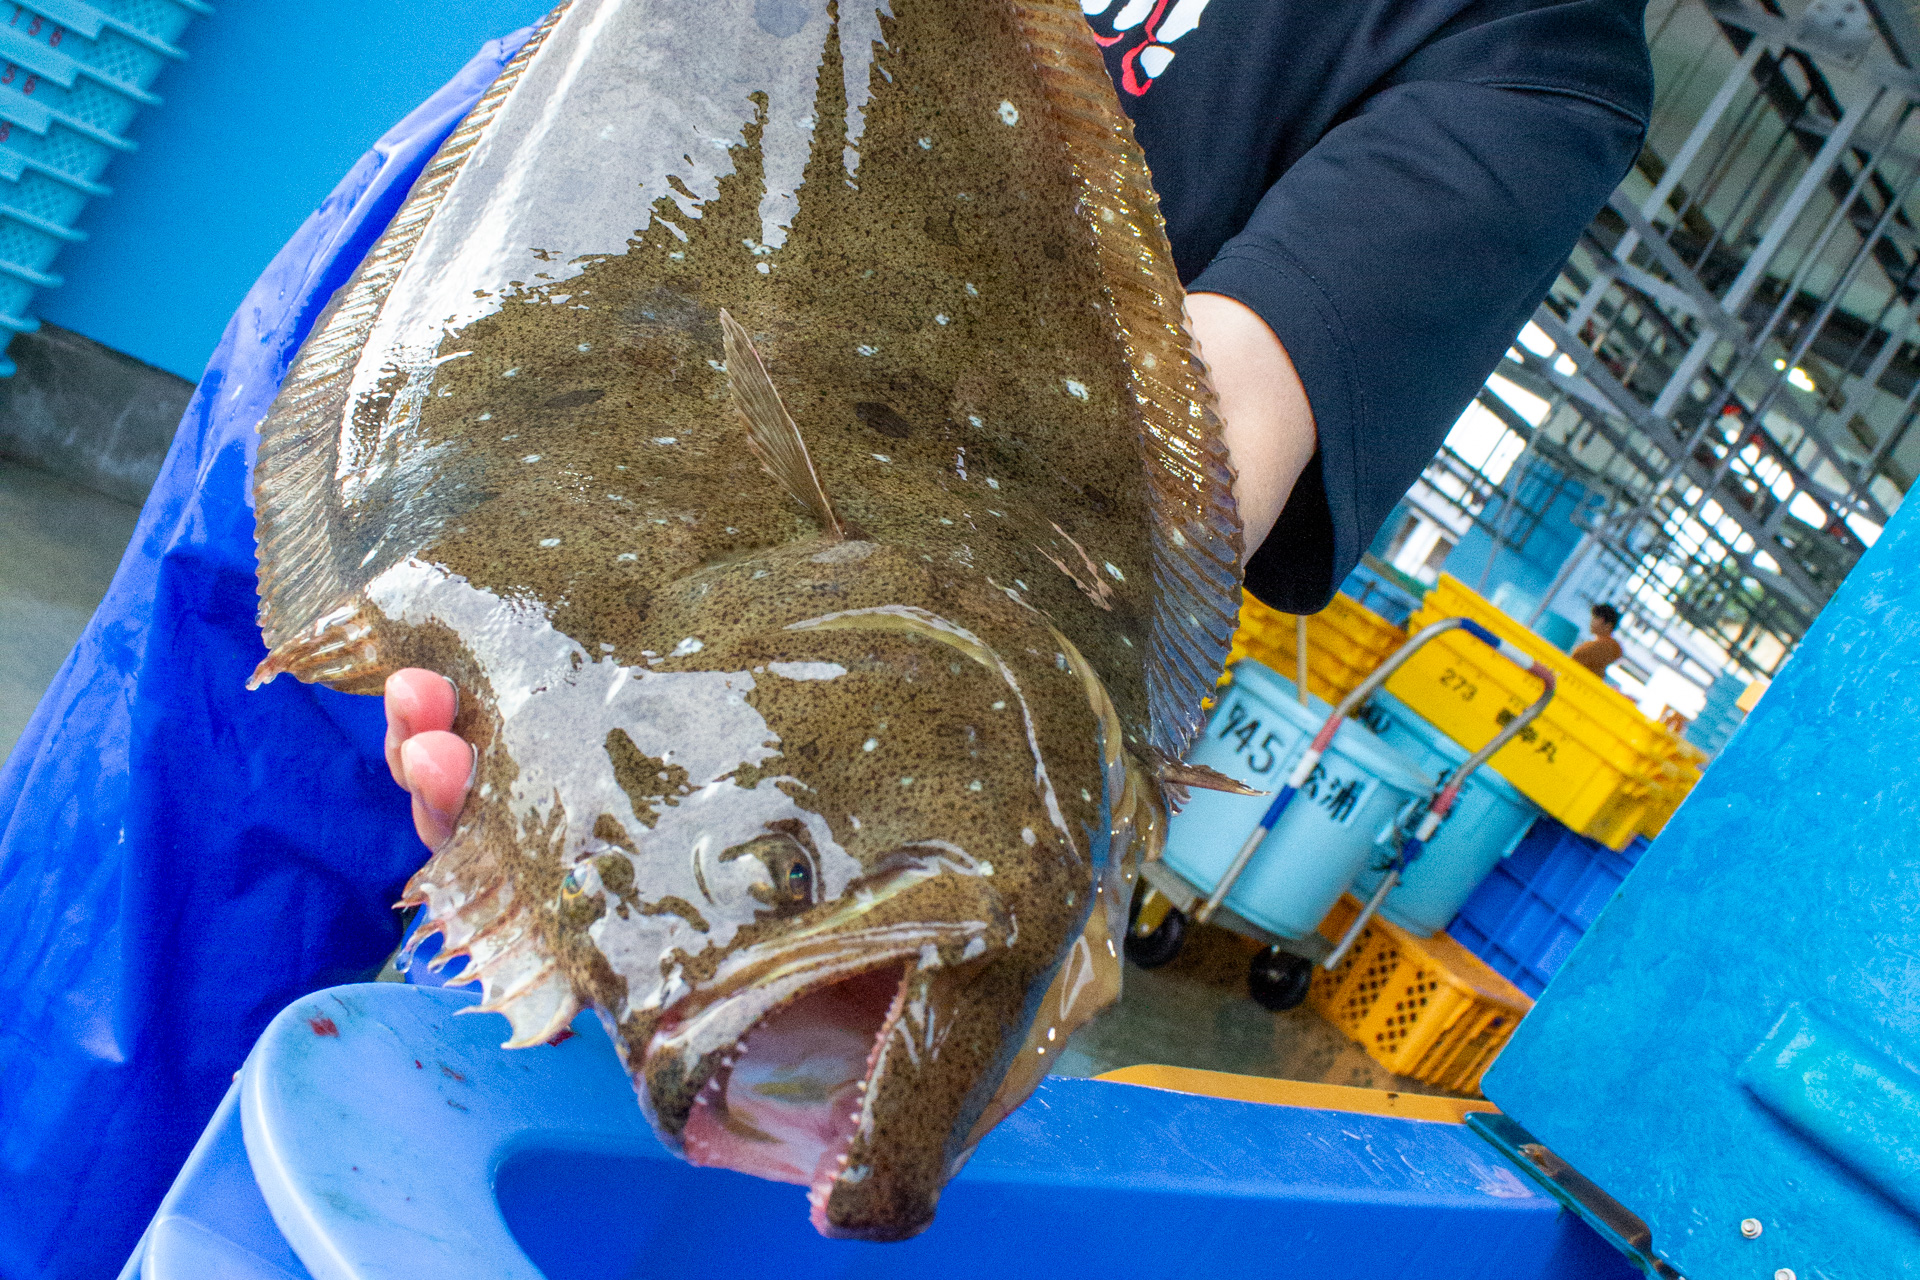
x,y
1149,28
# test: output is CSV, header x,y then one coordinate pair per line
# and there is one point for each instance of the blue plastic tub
x,y
373,1132
1488,820
1525,918
72,75
1322,841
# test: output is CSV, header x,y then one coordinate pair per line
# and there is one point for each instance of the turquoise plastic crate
x,y
1540,900
73,74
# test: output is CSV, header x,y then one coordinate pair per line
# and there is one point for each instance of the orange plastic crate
x,y
1426,1008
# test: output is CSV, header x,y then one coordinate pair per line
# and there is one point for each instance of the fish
x,y
777,420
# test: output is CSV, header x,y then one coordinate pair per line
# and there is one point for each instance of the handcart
x,y
1280,975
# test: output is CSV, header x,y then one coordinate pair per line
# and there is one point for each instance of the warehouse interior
x,y
1706,425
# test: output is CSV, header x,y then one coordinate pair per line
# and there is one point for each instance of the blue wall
x,y
1530,567
276,100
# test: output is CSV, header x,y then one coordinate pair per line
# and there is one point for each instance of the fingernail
x,y
456,695
473,770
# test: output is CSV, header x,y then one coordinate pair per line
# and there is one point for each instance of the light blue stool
x,y
1324,838
1487,822
386,1137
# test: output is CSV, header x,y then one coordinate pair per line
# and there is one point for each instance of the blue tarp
x,y
180,858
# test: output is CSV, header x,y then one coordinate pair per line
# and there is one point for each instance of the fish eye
x,y
789,886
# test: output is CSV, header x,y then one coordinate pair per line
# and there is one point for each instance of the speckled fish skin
x,y
729,765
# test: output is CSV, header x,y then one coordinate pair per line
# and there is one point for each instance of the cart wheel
x,y
1278,980
1156,931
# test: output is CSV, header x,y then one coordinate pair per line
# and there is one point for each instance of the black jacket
x,y
1392,185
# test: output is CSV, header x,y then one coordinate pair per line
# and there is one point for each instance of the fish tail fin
x,y
771,432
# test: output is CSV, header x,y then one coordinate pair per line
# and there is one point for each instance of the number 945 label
x,y
1339,791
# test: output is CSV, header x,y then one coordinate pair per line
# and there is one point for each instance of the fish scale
x,y
777,421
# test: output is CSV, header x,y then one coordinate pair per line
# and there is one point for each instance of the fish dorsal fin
x,y
1196,526
771,432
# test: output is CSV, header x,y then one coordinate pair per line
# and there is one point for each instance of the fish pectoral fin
x,y
1180,773
771,431
1176,778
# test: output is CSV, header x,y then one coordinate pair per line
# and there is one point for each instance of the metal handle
x,y
1310,758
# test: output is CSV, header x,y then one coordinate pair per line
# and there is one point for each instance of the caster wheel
x,y
1155,933
1279,981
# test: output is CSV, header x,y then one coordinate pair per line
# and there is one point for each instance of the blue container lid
x,y
1277,694
1456,755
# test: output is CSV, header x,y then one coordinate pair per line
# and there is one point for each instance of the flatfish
x,y
776,419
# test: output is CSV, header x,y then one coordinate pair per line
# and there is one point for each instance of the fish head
x,y
935,800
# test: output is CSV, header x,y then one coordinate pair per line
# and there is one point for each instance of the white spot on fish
x,y
1060,661
666,439
510,373
687,646
532,457
1148,361
549,542
716,366
881,457
676,255
940,319
926,144
1050,1031
585,346
1078,390
975,947
485,417
764,268
1115,571
627,555
906,782
974,785
870,744
974,419
993,484
945,521
1086,795
807,670
1106,215
972,292
865,350
1009,114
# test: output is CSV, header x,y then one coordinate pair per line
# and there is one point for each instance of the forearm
x,y
1265,417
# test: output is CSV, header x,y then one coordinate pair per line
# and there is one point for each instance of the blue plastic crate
x,y
72,75
1526,916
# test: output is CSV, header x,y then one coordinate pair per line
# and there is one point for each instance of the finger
x,y
417,701
437,767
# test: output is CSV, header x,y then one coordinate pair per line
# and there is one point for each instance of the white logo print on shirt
x,y
1152,24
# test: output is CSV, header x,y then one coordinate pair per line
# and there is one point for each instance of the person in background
x,y
1601,652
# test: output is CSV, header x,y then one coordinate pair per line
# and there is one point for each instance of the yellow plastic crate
x,y
1591,760
1426,1008
1345,642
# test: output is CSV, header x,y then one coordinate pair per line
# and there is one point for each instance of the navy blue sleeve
x,y
1396,260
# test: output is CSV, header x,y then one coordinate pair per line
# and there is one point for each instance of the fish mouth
x,y
787,1099
774,1068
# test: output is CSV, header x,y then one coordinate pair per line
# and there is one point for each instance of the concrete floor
x,y
1195,1012
59,546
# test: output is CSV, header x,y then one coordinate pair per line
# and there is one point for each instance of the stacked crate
x,y
73,73
1591,760
1426,1008
1345,642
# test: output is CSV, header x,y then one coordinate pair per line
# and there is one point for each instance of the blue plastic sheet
x,y
180,858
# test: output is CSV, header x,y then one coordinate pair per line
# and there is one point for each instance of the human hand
x,y
426,758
